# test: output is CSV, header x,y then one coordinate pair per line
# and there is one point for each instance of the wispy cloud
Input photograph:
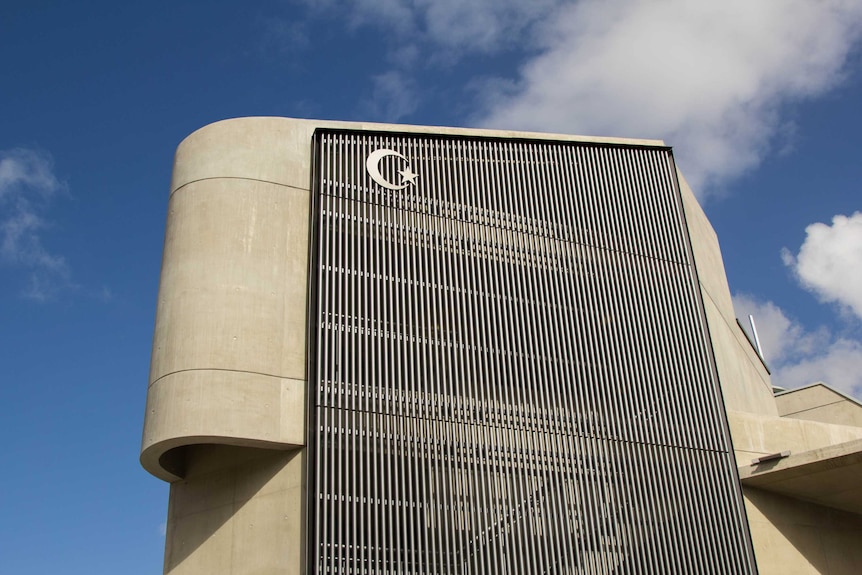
x,y
394,97
455,26
28,186
829,262
283,37
799,356
717,80
419,34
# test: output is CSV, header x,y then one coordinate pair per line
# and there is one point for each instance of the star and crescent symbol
x,y
372,164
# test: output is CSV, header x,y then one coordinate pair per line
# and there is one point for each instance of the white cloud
x,y
29,169
798,356
712,79
782,339
393,97
455,26
839,365
482,25
716,80
27,186
829,263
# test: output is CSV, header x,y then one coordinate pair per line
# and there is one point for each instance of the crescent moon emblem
x,y
372,164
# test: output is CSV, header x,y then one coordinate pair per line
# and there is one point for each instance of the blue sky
x,y
760,100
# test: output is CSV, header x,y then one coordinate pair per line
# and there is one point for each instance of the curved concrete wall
x,y
228,363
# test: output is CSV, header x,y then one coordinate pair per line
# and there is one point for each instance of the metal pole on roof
x,y
756,339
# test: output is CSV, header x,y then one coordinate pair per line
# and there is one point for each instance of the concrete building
x,y
401,349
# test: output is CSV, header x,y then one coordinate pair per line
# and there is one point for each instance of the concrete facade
x,y
227,401
819,402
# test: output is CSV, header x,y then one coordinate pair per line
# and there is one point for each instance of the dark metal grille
x,y
512,371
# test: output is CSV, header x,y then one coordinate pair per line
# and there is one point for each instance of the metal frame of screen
x,y
510,370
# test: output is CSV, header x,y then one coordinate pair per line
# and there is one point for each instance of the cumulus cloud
x,y
419,34
712,79
716,80
27,187
798,356
829,263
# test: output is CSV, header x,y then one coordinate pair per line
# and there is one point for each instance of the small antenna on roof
x,y
756,339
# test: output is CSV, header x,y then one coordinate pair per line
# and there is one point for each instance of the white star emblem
x,y
408,176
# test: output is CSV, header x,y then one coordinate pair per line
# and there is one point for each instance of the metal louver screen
x,y
511,371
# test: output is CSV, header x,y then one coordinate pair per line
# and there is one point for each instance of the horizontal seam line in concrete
x,y
238,178
222,369
813,408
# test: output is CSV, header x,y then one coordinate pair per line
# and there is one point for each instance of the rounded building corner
x,y
266,149
221,408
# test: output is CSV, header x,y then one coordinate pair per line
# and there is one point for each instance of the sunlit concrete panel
x,y
819,402
233,286
756,435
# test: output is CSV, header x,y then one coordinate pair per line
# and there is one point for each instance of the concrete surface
x,y
238,511
793,537
829,476
819,402
758,435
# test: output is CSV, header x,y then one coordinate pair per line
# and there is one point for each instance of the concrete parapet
x,y
819,402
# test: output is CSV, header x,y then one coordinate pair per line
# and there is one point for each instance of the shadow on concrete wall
x,y
219,481
794,536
